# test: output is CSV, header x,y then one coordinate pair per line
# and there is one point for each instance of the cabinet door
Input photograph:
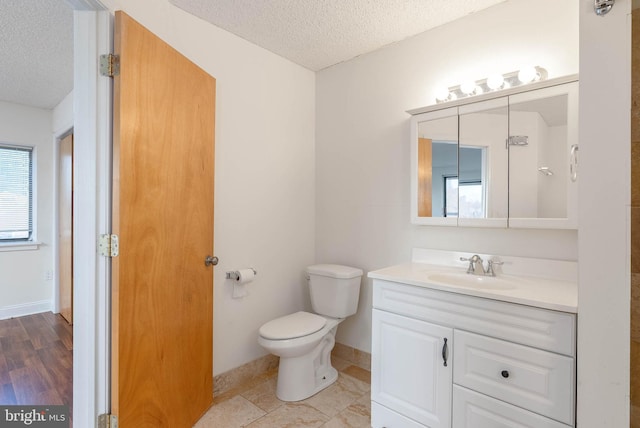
x,y
411,368
543,144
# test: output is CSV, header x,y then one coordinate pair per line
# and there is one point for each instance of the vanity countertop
x,y
554,294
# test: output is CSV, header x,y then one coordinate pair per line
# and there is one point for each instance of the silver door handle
x,y
210,261
573,162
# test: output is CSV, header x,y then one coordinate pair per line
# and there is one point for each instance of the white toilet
x,y
303,340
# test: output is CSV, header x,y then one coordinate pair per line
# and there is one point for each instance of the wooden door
x,y
425,167
65,227
162,292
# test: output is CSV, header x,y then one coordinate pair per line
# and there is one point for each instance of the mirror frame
x,y
558,86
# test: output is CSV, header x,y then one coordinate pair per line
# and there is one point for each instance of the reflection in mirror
x,y
538,152
483,182
437,160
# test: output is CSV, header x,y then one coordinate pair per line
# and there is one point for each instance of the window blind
x,y
16,193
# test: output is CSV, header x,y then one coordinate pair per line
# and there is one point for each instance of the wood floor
x,y
36,360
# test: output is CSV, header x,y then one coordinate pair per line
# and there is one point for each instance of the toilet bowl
x,y
305,360
304,340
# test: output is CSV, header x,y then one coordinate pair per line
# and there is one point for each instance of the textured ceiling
x,y
36,51
320,33
36,36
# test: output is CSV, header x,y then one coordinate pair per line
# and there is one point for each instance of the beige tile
x,y
352,355
337,397
264,396
339,363
362,359
357,415
342,351
246,374
359,373
291,415
236,412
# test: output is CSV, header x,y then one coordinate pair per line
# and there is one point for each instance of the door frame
x,y
58,135
93,29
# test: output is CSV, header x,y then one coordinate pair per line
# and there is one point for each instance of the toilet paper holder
x,y
235,274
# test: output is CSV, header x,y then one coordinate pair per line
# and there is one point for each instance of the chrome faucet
x,y
476,260
492,263
473,264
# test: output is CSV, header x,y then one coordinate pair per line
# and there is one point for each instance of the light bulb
x,y
467,87
442,93
527,74
495,81
478,90
452,97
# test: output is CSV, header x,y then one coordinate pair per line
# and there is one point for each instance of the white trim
x,y
20,246
92,124
87,5
23,309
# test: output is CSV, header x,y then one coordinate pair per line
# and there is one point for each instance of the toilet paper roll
x,y
245,276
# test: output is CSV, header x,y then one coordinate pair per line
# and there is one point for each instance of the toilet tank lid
x,y
334,271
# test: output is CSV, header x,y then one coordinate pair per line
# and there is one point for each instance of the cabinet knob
x,y
505,374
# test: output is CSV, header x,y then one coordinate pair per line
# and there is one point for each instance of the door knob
x,y
210,261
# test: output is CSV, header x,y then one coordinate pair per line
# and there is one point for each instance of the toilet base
x,y
301,377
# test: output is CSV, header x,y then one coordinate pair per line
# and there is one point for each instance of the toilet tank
x,y
334,289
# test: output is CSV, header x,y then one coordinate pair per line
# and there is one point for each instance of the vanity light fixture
x,y
494,82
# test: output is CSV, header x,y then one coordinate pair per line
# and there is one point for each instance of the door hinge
x,y
108,245
109,65
106,420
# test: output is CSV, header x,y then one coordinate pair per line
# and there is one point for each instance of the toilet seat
x,y
299,324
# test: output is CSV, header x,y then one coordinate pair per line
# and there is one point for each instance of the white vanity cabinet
x,y
503,364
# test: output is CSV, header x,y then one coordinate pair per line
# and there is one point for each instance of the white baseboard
x,y
23,309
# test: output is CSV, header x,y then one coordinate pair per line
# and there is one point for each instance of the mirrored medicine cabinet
x,y
505,159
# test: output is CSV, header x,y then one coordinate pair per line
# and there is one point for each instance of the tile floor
x,y
345,404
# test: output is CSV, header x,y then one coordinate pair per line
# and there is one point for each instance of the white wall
x,y
264,200
604,198
62,115
362,138
23,287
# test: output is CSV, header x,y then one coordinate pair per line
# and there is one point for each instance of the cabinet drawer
x,y
474,410
541,328
537,380
382,417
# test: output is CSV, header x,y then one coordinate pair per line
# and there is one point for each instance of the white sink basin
x,y
472,281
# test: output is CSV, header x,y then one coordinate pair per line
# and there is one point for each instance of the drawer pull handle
x,y
505,374
445,352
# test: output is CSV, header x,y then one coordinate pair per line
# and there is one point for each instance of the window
x,y
16,193
463,199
